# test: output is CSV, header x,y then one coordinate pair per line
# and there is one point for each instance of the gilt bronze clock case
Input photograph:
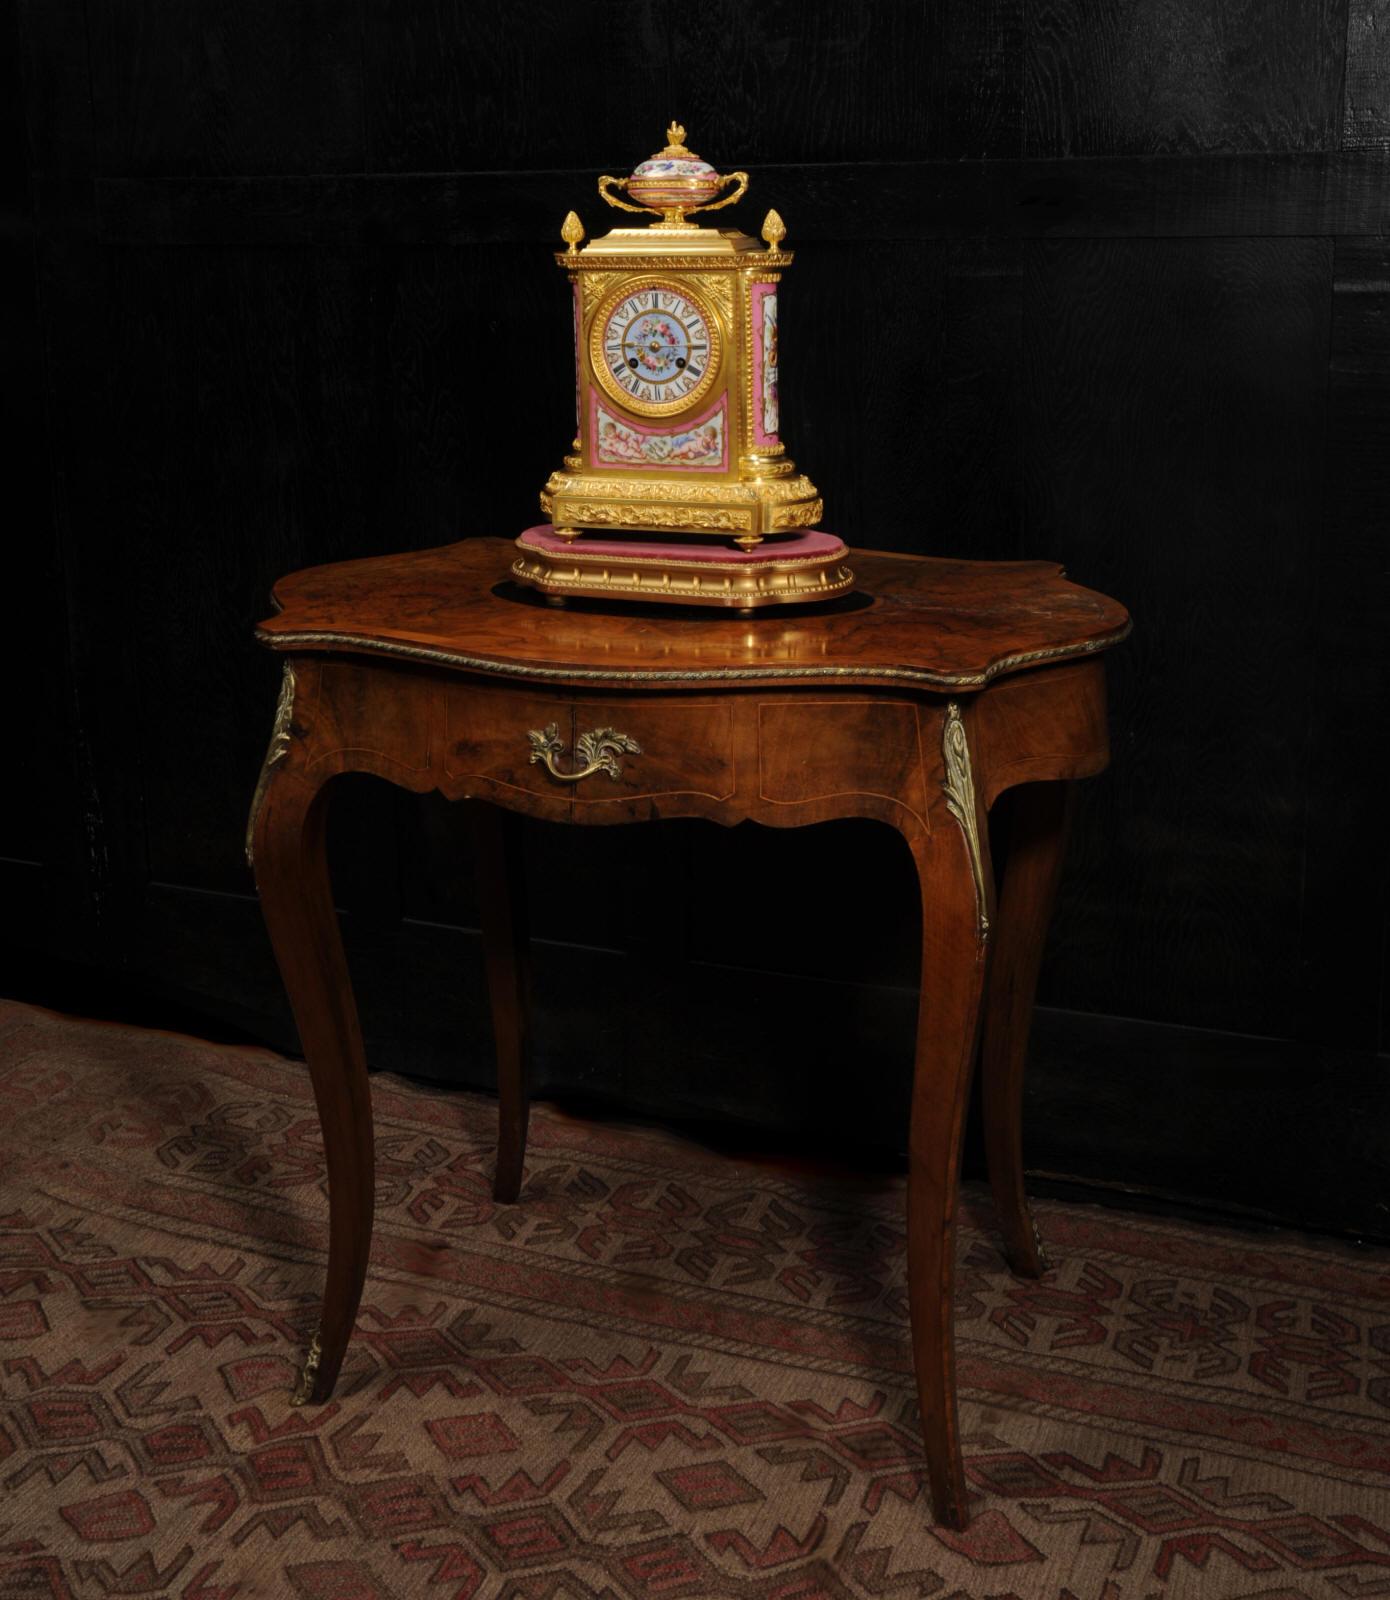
x,y
678,428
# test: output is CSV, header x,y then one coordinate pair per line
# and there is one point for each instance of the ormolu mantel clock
x,y
679,487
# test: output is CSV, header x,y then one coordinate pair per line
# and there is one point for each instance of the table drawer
x,y
596,752
486,736
682,747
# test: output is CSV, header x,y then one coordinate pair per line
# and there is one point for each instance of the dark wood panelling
x,y
240,423
104,870
34,794
814,921
938,396
466,87
15,161
971,493
1181,77
1285,196
836,81
1366,110
898,381
205,87
38,810
55,90
1175,455
43,868
974,79
768,80
1347,857
1243,1126
442,321
1269,1130
274,409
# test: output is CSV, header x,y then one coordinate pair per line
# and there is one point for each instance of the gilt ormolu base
x,y
794,569
955,687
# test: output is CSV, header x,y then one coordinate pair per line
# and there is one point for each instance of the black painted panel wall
x,y
1109,284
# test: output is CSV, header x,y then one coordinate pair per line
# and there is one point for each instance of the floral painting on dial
x,y
620,445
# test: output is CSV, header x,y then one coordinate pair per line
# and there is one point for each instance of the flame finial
x,y
675,144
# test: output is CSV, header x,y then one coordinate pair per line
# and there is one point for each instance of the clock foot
x,y
568,534
555,600
749,541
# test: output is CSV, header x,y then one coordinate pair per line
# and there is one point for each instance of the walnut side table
x,y
919,700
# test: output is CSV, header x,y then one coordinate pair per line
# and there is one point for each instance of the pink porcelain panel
x,y
698,446
766,412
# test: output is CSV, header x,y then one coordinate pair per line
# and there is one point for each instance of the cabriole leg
x,y
957,893
953,971
1037,829
297,901
506,947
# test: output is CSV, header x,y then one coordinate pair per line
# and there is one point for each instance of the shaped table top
x,y
910,620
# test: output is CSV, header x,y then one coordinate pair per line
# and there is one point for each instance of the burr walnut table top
x,y
911,620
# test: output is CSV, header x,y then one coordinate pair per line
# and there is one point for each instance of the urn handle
x,y
599,750
739,178
606,185
674,214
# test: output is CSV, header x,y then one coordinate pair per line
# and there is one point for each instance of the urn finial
x,y
674,183
675,145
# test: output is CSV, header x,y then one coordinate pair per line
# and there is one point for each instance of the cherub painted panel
x,y
698,446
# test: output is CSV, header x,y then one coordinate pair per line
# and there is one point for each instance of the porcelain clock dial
x,y
655,347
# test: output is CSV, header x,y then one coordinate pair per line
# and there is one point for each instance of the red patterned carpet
x,y
666,1375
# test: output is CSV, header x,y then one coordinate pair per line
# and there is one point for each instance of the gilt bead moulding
x,y
678,472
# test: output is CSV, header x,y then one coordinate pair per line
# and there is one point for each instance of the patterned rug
x,y
665,1375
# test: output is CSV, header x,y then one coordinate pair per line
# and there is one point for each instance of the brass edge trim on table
x,y
959,787
1044,1261
512,669
304,1388
277,750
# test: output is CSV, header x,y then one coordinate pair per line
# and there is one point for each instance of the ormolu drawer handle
x,y
598,750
